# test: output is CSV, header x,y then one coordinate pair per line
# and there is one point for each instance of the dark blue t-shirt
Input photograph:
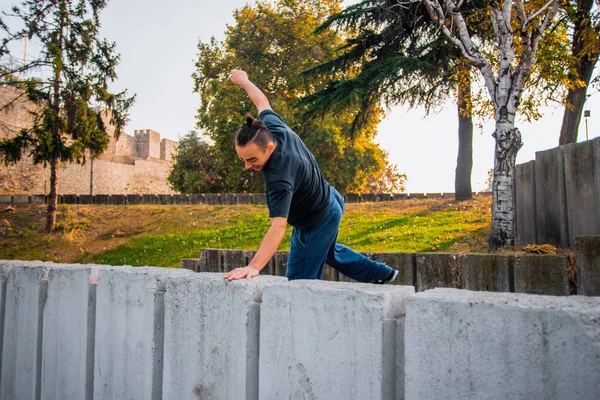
x,y
294,184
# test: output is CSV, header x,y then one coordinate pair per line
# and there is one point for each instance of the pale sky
x,y
158,41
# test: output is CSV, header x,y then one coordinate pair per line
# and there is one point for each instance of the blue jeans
x,y
309,251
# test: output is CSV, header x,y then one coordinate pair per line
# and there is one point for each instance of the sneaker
x,y
389,279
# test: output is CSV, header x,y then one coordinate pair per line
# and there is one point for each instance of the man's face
x,y
253,156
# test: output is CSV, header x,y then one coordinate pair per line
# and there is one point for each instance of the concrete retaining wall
x,y
532,273
558,195
100,332
476,345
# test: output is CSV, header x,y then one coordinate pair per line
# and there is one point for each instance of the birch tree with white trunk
x,y
518,27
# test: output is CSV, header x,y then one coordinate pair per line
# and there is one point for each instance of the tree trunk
x,y
464,162
508,143
52,197
583,71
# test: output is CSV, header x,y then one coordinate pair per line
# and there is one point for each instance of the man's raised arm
x,y
259,99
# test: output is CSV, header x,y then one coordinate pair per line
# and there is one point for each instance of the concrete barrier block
x,y
180,199
434,195
329,274
134,199
6,198
487,272
233,259
541,274
367,198
352,198
149,199
228,198
70,199
437,270
582,165
165,199
400,196
103,199
213,331
118,199
212,198
36,199
128,354
210,260
526,222
587,250
259,198
68,332
196,198
21,199
461,344
331,340
86,199
550,198
243,198
279,266
23,322
403,262
416,196
193,264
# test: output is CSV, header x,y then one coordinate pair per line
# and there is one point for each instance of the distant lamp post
x,y
586,114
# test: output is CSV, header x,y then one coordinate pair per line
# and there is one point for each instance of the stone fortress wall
x,y
131,164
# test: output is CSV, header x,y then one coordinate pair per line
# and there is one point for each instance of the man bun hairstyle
x,y
253,131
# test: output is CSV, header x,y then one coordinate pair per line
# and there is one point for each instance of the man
x,y
298,194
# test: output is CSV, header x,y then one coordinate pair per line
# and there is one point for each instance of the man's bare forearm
x,y
268,247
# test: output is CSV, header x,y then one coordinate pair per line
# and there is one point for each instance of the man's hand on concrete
x,y
239,273
239,77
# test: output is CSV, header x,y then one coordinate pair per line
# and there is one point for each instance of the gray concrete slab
x,y
21,199
212,326
582,164
551,202
259,198
68,332
243,198
128,353
526,223
541,274
21,344
331,340
6,198
487,272
212,198
37,199
103,199
587,252
464,345
436,270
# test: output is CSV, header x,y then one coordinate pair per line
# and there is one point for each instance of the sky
x,y
158,42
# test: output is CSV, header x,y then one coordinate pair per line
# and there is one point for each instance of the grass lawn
x,y
162,235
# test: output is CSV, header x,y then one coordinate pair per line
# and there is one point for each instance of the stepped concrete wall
x,y
103,332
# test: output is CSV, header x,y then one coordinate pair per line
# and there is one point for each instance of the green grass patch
x,y
163,235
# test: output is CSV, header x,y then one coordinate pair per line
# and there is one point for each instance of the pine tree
x,y
74,68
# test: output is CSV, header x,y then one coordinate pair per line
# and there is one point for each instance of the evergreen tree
x,y
75,68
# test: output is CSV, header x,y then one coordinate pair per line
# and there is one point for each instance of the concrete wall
x,y
102,332
558,195
477,345
528,273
